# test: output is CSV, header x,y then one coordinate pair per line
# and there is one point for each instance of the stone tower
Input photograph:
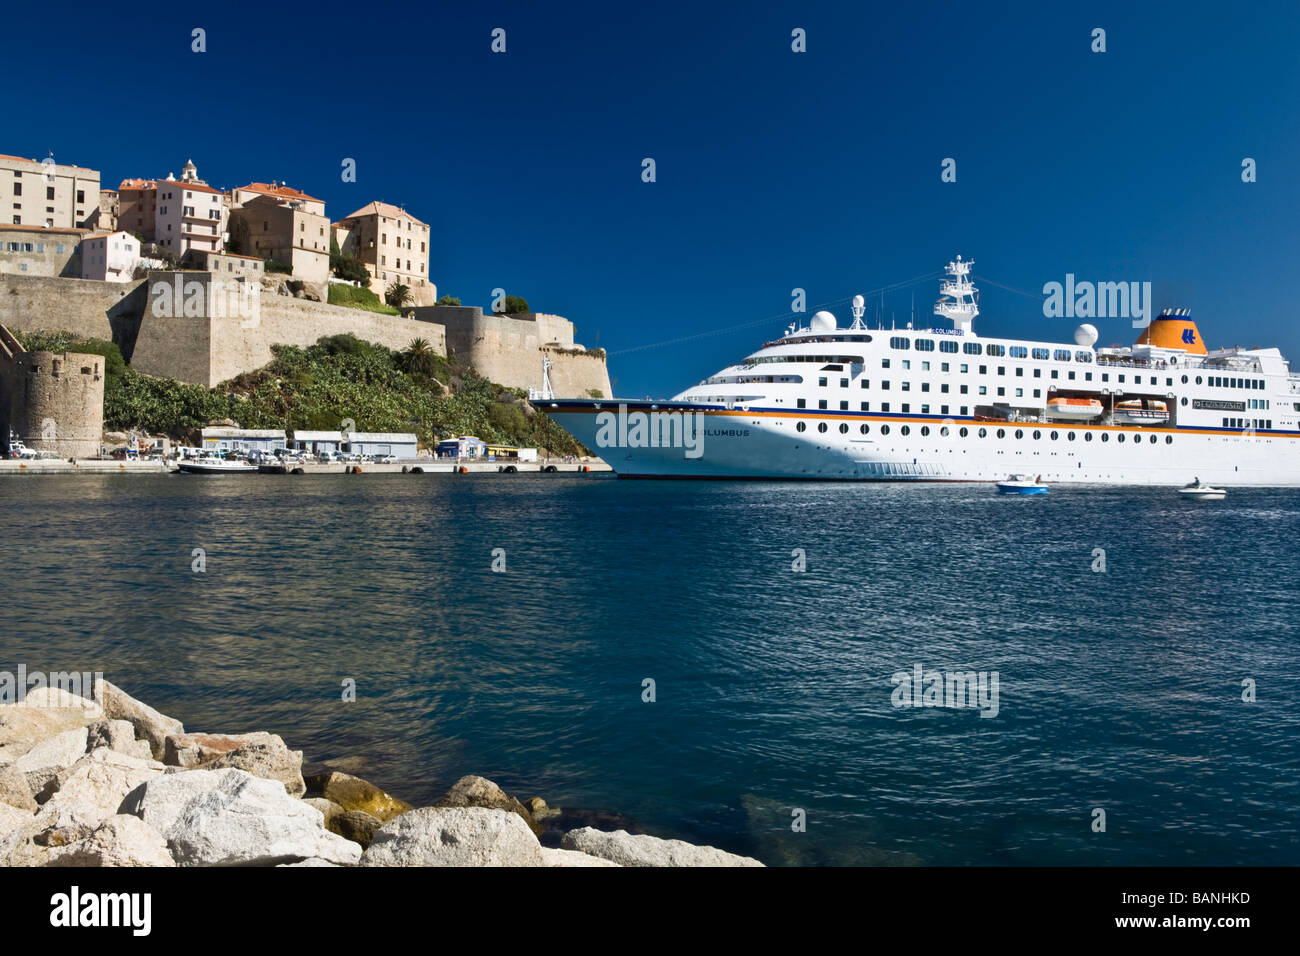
x,y
55,401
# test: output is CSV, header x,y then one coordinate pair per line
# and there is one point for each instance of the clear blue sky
x,y
819,170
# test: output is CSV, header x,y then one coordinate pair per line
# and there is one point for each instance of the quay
x,y
97,466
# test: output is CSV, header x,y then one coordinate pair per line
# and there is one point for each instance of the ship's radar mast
x,y
957,296
859,309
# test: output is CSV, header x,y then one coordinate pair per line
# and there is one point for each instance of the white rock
x,y
627,849
120,840
97,783
11,818
571,858
250,820
40,764
42,715
14,790
149,724
454,836
160,801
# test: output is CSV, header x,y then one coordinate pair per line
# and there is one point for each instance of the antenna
x,y
859,309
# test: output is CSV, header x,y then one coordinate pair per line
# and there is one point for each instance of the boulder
x,y
247,820
454,836
14,791
149,724
120,840
328,808
628,849
353,793
159,801
96,784
473,791
266,757
191,750
45,759
539,809
572,858
12,818
355,825
116,735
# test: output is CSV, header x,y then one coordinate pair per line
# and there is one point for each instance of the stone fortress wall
x,y
53,402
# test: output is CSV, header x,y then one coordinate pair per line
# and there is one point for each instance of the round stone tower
x,y
58,402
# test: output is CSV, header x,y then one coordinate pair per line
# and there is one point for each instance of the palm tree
x,y
398,295
419,357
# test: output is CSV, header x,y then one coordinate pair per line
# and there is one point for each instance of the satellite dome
x,y
1086,335
859,302
822,322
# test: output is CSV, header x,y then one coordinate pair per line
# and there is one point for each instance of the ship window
x,y
943,367
844,406
907,363
1002,433
1083,357
906,408
905,430
1198,380
1018,351
1184,400
1055,374
984,389
885,386
1184,379
801,426
801,403
1002,370
925,386
821,403
1038,393
963,432
1088,376
900,342
1169,381
844,429
925,345
1120,438
1169,439
844,383
1069,436
1071,375
944,431
1020,393
822,381
1037,435
972,348
1020,433
1061,355
1001,391
1154,439
1041,354
944,388
907,386
964,368
983,433
1038,373
1020,371
866,406
1053,436
884,429
884,363
947,345
965,389
1105,376
865,429
995,350
884,406
821,426
925,409
1087,436
866,383
925,431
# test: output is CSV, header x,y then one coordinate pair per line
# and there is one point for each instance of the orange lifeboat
x,y
1140,411
1077,409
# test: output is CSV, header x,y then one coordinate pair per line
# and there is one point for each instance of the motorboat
x,y
1200,491
1021,485
212,465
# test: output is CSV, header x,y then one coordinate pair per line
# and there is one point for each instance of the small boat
x,y
1021,485
1200,491
212,465
1077,409
1141,412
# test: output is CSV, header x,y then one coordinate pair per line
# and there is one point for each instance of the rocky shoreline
x,y
109,781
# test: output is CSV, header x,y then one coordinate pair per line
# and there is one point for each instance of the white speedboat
x,y
1200,491
212,465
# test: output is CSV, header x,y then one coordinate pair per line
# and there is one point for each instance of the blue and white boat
x,y
1021,485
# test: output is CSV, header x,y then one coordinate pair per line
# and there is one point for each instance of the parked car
x,y
388,460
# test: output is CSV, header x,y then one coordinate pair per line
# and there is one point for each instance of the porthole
x,y
1054,436
1069,436
1002,433
1120,438
1087,436
1020,433
925,430
821,427
865,429
1198,380
1184,400
943,432
844,429
884,429
801,426
1184,379
962,432
1169,439
906,430
984,433
1154,439
1105,436
1037,435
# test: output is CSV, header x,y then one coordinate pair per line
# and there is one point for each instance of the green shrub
x,y
355,297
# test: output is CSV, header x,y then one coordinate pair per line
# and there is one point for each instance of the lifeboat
x,y
1141,411
1079,409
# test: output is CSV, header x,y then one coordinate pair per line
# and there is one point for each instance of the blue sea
x,y
1121,675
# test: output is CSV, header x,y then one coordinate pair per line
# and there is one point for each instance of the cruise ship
x,y
850,402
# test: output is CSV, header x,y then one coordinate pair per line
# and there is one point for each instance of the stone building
x,y
137,206
52,401
110,256
35,193
288,231
36,251
393,245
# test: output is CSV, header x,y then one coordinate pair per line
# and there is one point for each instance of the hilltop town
x,y
202,285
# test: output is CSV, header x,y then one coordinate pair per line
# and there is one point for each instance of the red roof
x,y
280,192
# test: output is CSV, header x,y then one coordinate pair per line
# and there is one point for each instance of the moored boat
x,y
212,465
1200,491
1022,485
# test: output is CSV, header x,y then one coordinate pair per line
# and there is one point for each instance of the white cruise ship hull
x,y
766,444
